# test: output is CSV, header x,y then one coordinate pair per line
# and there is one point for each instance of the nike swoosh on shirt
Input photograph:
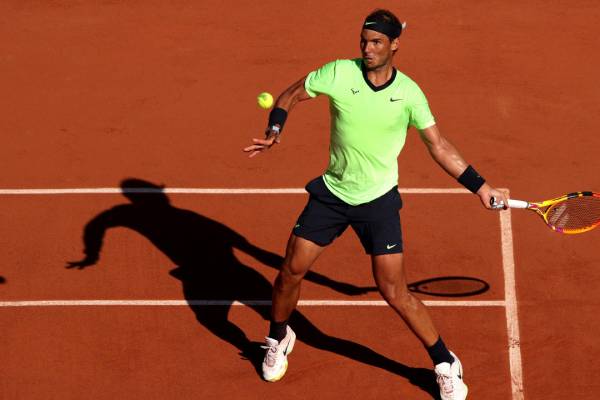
x,y
393,100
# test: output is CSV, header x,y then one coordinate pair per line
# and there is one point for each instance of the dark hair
x,y
383,15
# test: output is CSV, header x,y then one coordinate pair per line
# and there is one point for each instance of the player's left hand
x,y
486,192
261,145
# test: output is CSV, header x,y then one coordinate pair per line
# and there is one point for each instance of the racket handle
x,y
517,203
511,203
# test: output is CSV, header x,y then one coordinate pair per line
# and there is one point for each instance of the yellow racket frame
x,y
543,208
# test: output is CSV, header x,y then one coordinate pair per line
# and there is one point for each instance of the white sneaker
x,y
275,363
449,378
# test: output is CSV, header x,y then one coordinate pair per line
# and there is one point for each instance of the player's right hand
x,y
272,138
486,193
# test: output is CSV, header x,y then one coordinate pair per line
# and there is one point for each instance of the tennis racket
x,y
572,213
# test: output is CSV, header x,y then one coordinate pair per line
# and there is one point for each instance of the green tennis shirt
x,y
368,127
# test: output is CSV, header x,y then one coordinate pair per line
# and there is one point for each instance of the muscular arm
x,y
443,152
286,100
448,157
292,95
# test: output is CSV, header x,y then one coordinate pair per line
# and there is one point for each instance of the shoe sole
x,y
285,365
278,377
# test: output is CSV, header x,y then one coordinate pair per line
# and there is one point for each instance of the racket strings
x,y
574,213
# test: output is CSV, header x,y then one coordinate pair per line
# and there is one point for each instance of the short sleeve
x,y
420,114
321,81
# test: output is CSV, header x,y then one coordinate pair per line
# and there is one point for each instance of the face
x,y
376,48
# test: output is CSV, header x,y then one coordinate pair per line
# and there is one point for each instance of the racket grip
x,y
517,203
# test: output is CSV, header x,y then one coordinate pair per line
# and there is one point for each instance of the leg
x,y
388,271
322,220
377,224
391,281
300,256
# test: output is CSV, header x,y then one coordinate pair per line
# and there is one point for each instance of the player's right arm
x,y
286,101
448,157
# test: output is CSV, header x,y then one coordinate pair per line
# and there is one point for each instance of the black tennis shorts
x,y
377,223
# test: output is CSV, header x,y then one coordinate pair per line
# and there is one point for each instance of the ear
x,y
394,44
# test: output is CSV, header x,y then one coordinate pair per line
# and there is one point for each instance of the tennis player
x,y
372,104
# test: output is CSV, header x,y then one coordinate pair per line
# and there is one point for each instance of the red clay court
x,y
97,92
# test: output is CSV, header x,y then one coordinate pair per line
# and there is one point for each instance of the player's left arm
x,y
448,157
285,102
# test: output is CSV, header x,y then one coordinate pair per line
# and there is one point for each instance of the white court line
x,y
301,303
204,191
510,297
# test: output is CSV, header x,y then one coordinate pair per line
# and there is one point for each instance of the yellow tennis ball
x,y
265,100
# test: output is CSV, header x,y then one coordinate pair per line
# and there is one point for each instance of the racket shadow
x,y
447,286
450,286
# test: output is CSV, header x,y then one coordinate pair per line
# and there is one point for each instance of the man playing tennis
x,y
372,104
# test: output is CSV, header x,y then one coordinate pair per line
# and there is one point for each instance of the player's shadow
x,y
2,280
202,250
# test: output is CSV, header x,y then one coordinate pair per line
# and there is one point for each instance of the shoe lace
x,y
446,383
270,354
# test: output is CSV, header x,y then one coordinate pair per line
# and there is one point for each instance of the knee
x,y
288,277
397,295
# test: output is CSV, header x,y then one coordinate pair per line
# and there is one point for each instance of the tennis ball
x,y
265,100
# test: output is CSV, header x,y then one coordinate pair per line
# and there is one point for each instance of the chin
x,y
373,66
369,64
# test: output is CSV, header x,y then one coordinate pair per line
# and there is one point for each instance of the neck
x,y
380,75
